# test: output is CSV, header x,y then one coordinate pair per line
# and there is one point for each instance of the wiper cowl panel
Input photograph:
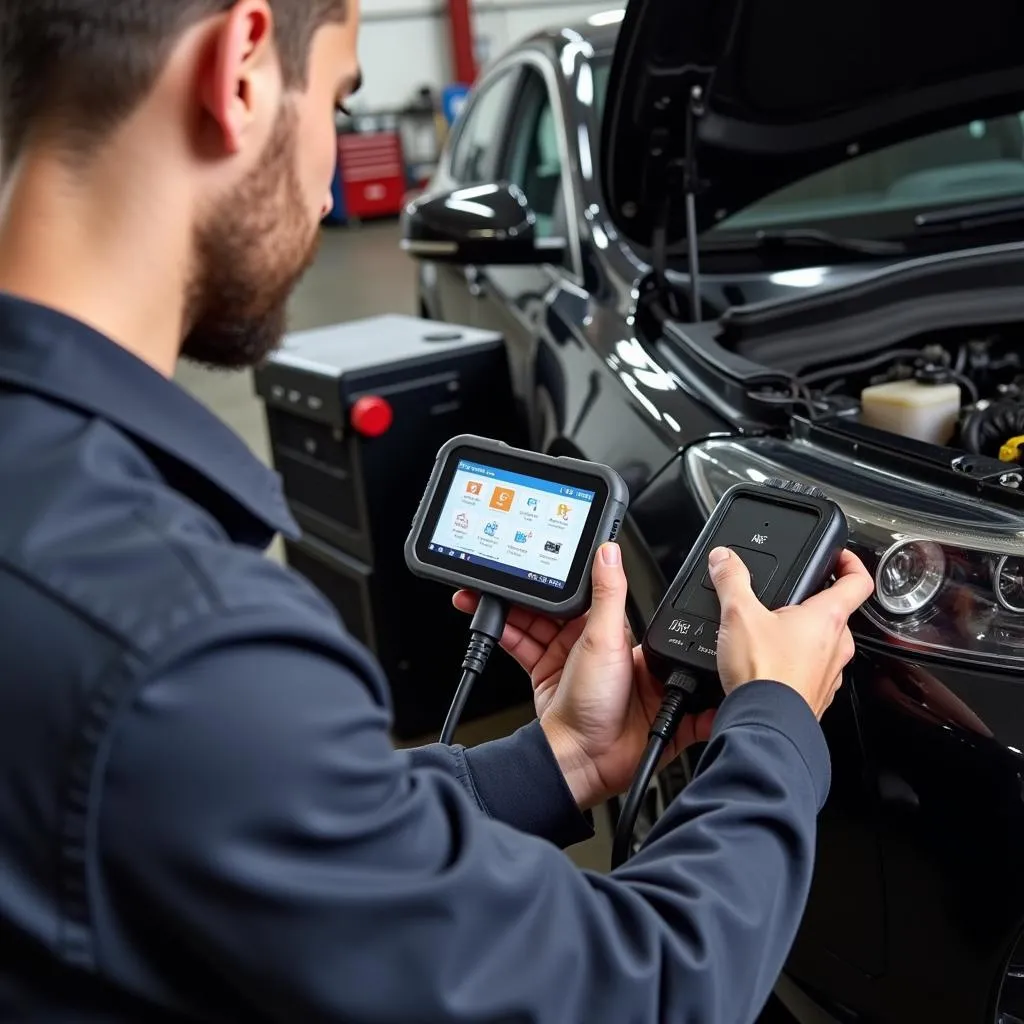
x,y
809,238
968,216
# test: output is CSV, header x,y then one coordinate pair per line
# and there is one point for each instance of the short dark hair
x,y
79,67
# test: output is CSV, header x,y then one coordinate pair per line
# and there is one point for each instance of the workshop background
x,y
418,58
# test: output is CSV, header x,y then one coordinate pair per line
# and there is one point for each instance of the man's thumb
x,y
730,577
608,609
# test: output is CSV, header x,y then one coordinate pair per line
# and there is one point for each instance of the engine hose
x,y
986,431
966,383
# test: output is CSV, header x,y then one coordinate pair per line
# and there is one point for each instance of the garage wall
x,y
405,44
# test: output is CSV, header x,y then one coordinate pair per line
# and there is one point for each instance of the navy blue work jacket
x,y
202,817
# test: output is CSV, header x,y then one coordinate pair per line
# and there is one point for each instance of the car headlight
x,y
909,576
1010,583
949,571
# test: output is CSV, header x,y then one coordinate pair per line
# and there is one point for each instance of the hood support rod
x,y
691,182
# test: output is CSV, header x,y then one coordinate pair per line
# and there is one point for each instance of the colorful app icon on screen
x,y
474,487
462,521
552,547
491,529
532,503
563,512
522,536
502,498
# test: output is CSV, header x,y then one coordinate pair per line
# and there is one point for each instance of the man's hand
x,y
594,696
805,647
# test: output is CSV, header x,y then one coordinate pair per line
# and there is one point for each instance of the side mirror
x,y
484,224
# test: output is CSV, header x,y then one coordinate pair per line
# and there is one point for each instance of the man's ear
x,y
241,71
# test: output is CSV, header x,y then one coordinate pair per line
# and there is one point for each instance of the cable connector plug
x,y
486,631
478,653
680,687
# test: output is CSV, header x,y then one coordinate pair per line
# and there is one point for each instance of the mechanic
x,y
203,817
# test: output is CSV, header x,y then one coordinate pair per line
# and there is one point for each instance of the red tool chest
x,y
372,173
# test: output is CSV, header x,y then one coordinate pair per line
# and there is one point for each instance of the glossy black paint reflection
x,y
484,224
943,777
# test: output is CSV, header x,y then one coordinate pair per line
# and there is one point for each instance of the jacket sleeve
x,y
254,806
515,780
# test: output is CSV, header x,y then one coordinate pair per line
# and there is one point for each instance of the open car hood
x,y
730,100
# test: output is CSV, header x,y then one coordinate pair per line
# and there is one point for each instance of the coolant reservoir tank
x,y
924,410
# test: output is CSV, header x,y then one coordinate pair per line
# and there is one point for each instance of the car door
x,y
476,154
513,299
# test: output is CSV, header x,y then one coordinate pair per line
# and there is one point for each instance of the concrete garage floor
x,y
359,272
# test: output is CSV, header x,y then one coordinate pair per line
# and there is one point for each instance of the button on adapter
x,y
760,564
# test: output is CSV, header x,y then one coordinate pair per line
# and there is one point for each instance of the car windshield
x,y
872,195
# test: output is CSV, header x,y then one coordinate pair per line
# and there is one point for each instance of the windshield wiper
x,y
810,238
968,216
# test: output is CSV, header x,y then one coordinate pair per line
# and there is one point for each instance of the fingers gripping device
x,y
790,538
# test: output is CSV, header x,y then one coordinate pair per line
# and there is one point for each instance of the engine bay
x,y
953,388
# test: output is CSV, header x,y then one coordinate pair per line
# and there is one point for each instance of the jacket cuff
x,y
772,705
518,781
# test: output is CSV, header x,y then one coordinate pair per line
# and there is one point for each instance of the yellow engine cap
x,y
1011,451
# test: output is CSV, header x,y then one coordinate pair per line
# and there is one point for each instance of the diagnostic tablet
x,y
514,524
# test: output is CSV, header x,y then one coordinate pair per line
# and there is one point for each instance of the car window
x,y
982,159
979,160
484,125
535,160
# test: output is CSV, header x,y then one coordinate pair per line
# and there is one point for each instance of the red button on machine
x,y
372,416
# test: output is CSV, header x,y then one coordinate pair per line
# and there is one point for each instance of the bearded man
x,y
202,817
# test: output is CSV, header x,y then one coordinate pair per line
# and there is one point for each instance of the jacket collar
x,y
51,354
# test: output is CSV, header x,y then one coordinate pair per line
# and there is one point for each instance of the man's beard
x,y
250,254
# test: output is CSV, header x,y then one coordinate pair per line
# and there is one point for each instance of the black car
x,y
730,242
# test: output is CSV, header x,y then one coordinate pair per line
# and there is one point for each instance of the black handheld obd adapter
x,y
790,538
